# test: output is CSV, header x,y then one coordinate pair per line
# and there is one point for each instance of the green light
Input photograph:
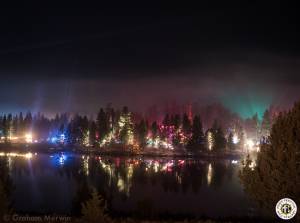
x,y
247,105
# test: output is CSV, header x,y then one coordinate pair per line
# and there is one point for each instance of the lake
x,y
52,183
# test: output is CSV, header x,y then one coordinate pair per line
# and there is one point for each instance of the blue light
x,y
62,138
54,139
59,159
62,159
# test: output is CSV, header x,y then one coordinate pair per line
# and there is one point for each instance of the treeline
x,y
122,127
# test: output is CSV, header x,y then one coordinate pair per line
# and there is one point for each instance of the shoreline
x,y
116,151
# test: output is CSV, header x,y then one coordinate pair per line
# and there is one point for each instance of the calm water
x,y
50,184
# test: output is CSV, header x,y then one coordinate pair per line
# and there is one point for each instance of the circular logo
x,y
286,208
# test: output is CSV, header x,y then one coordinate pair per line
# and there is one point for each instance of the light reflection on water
x,y
185,186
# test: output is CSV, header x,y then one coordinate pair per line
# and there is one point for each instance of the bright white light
x,y
210,141
235,139
209,174
13,138
28,155
28,138
252,165
250,143
156,166
234,161
12,154
62,159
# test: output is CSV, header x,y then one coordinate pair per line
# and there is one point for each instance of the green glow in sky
x,y
247,105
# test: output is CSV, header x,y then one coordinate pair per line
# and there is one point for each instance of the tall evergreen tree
x,y
166,120
21,128
176,123
126,127
9,125
93,210
154,130
266,124
15,125
6,188
219,140
92,133
165,131
277,170
28,122
255,126
197,141
141,132
1,126
186,125
5,127
102,124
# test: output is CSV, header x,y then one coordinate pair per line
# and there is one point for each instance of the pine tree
x,y
196,143
93,210
277,171
255,126
92,135
9,125
5,128
84,131
166,120
21,128
141,133
15,127
28,122
126,127
166,123
154,130
102,124
176,123
6,187
219,140
186,125
266,124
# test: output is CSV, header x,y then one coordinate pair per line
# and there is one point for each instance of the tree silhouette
x,y
93,210
186,125
102,124
277,171
196,142
154,129
218,138
6,187
266,123
126,127
141,132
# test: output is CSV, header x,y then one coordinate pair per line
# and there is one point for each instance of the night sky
x,y
80,57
